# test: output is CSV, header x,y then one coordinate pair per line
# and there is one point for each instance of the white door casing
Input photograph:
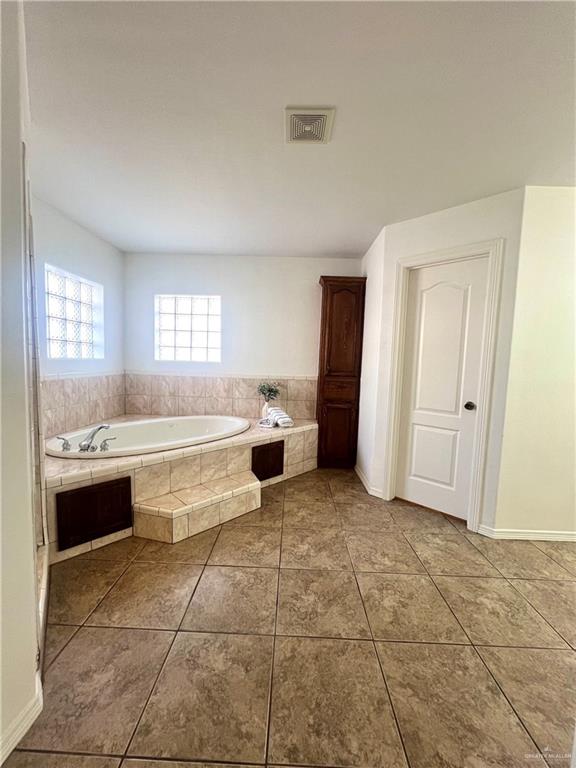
x,y
444,464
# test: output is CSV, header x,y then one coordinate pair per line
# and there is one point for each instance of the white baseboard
x,y
371,490
518,533
20,725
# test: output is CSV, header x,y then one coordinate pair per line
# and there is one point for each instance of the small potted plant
x,y
269,391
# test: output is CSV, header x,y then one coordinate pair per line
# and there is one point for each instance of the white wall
x,y
270,310
538,469
499,216
20,687
63,243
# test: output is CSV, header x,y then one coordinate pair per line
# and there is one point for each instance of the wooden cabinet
x,y
97,510
339,370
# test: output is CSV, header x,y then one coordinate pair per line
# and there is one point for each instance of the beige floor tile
x,y
273,494
45,760
57,635
77,586
351,493
132,763
231,599
408,607
360,515
267,516
308,492
493,613
250,546
450,554
194,550
518,559
320,603
382,551
556,601
563,552
420,520
310,514
330,706
148,595
125,549
320,548
541,686
96,690
450,711
210,701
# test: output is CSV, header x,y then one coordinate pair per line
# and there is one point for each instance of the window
x,y
187,328
74,316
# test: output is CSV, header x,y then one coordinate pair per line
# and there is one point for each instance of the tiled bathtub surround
x,y
205,395
197,476
73,402
77,401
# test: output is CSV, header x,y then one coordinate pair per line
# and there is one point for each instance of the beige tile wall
x,y
71,403
74,402
203,395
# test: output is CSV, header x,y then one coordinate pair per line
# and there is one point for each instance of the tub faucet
x,y
87,444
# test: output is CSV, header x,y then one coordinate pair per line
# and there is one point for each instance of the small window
x,y
187,328
74,316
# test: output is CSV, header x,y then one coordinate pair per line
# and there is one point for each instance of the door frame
x,y
493,250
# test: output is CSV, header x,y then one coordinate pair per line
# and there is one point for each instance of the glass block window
x,y
187,328
74,316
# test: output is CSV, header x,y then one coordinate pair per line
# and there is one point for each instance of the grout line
x,y
552,627
271,685
375,650
163,665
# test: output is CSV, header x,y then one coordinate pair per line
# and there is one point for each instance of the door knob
x,y
470,406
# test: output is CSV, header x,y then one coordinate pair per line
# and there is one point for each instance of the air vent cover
x,y
309,125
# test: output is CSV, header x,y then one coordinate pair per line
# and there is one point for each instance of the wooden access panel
x,y
268,460
339,369
97,510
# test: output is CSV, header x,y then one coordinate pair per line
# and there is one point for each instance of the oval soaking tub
x,y
149,436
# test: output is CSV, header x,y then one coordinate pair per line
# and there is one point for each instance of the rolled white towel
x,y
279,417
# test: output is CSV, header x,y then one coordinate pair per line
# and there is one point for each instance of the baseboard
x,y
20,725
518,533
371,490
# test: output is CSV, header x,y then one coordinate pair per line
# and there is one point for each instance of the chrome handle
x,y
104,444
65,442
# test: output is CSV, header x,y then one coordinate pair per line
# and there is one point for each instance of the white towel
x,y
280,418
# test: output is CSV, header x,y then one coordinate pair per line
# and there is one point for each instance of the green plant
x,y
269,390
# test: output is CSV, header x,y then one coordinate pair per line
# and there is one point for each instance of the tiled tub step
x,y
176,516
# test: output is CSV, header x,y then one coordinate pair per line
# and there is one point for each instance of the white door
x,y
445,322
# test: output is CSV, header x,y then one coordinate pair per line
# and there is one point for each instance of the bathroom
x,y
287,395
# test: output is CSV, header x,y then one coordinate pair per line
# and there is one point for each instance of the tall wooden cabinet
x,y
339,371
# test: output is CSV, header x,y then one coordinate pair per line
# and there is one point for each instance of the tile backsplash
x,y
206,395
73,402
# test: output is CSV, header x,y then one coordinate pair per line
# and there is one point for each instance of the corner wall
x,y
63,243
538,468
499,216
20,684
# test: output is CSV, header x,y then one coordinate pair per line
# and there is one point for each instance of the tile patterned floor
x,y
327,628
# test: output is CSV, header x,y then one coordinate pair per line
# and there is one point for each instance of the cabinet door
x,y
339,432
344,317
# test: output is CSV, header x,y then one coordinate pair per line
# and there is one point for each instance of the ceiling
x,y
160,125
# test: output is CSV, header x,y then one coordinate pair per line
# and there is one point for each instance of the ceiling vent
x,y
309,125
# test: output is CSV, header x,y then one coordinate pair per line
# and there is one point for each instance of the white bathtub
x,y
150,435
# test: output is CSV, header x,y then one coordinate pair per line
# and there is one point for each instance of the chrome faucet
x,y
87,444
